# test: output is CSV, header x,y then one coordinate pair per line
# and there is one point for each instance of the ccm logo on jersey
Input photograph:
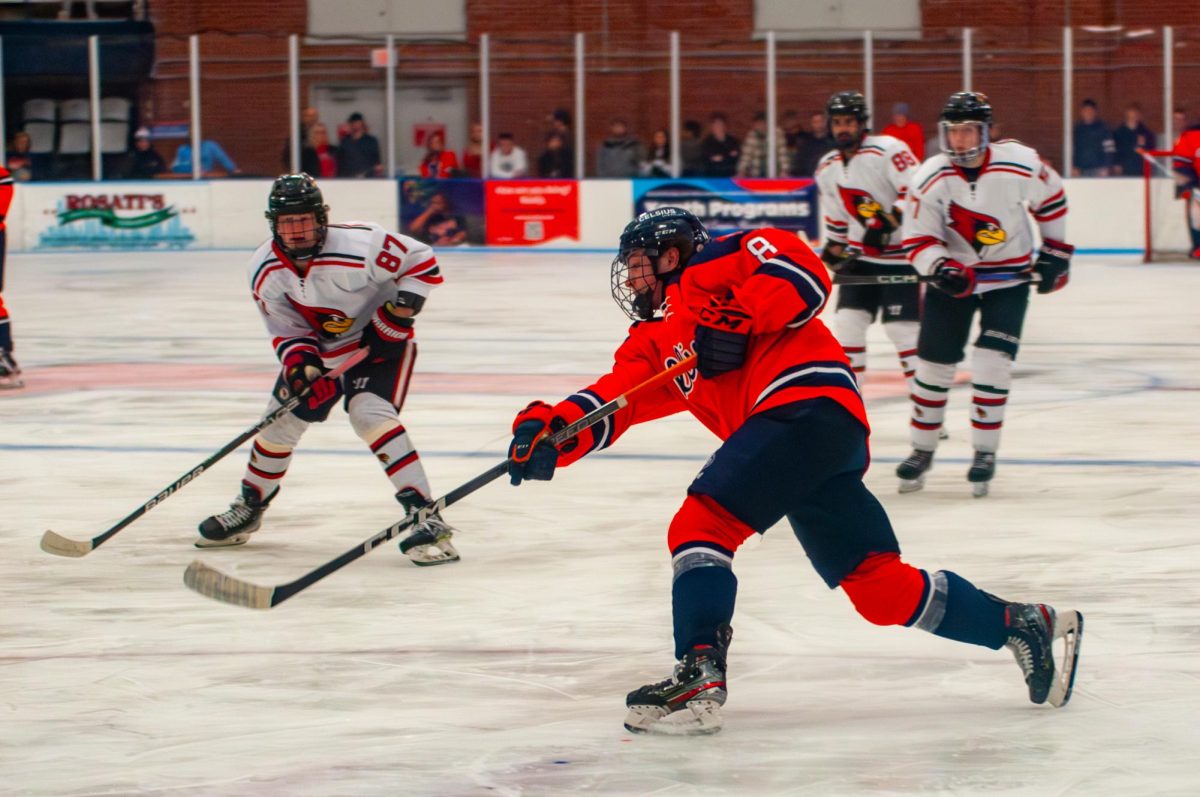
x,y
977,229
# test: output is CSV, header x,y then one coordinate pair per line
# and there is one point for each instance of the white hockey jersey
x,y
984,224
360,267
875,179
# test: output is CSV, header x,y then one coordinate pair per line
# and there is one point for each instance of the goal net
x,y
1166,226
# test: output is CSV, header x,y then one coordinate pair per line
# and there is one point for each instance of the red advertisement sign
x,y
530,212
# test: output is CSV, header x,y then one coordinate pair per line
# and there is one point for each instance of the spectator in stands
x,y
1179,120
814,145
620,154
147,163
560,123
213,160
438,224
658,157
691,154
438,163
21,162
907,130
1093,144
1129,137
793,129
358,154
319,157
720,149
753,160
508,161
472,157
309,117
555,161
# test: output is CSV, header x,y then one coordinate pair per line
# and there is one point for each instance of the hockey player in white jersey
x,y
324,291
967,224
863,185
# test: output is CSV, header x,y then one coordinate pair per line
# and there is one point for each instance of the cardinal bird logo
x,y
324,321
977,229
860,204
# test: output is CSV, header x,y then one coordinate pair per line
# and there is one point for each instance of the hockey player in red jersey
x,y
324,291
774,385
1185,162
10,372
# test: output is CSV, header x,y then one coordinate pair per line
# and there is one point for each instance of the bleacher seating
x,y
114,125
39,118
75,127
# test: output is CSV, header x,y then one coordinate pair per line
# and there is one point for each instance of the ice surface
x,y
506,674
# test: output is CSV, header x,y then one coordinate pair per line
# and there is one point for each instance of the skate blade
x,y
912,485
979,489
1068,626
228,542
699,718
441,553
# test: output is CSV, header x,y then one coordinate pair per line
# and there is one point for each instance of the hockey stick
x,y
913,279
212,583
55,543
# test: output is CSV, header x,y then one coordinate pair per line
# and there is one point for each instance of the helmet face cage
x,y
965,108
652,234
297,194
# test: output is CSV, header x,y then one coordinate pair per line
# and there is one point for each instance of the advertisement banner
x,y
442,212
530,212
152,215
725,204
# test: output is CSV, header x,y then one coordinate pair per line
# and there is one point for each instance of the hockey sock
x,y
266,468
702,595
400,460
851,325
903,335
6,343
954,608
931,387
991,373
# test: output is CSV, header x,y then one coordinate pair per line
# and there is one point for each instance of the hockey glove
x,y
388,333
722,337
304,374
952,277
530,454
839,258
879,230
1053,265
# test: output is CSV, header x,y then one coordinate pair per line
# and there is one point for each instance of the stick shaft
x,y
913,279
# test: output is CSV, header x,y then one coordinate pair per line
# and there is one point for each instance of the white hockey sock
x,y
991,376
903,335
268,463
931,388
400,460
851,325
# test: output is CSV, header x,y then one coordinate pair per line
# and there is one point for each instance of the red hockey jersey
x,y
1186,154
792,356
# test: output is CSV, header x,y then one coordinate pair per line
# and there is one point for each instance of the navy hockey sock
x,y
702,599
968,614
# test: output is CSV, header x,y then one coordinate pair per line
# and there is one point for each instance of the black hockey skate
x,y
697,685
983,468
1032,629
235,525
10,372
912,470
427,543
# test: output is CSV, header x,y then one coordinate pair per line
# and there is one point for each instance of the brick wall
x,y
244,95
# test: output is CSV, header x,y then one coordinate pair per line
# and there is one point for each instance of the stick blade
x,y
212,583
59,545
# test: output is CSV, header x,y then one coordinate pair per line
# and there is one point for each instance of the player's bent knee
x,y
850,325
284,434
885,590
937,374
370,415
701,519
991,367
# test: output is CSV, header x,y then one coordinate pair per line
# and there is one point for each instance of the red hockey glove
x,y
304,374
530,454
1053,265
722,337
952,277
388,333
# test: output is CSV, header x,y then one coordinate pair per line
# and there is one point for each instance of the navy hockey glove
x,y
388,333
952,277
839,258
530,455
722,337
304,371
1053,265
879,231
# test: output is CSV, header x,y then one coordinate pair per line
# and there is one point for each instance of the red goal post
x,y
1165,217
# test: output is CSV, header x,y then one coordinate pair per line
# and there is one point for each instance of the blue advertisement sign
x,y
725,204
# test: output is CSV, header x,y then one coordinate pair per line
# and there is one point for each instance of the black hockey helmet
x,y
293,194
965,107
847,103
653,233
